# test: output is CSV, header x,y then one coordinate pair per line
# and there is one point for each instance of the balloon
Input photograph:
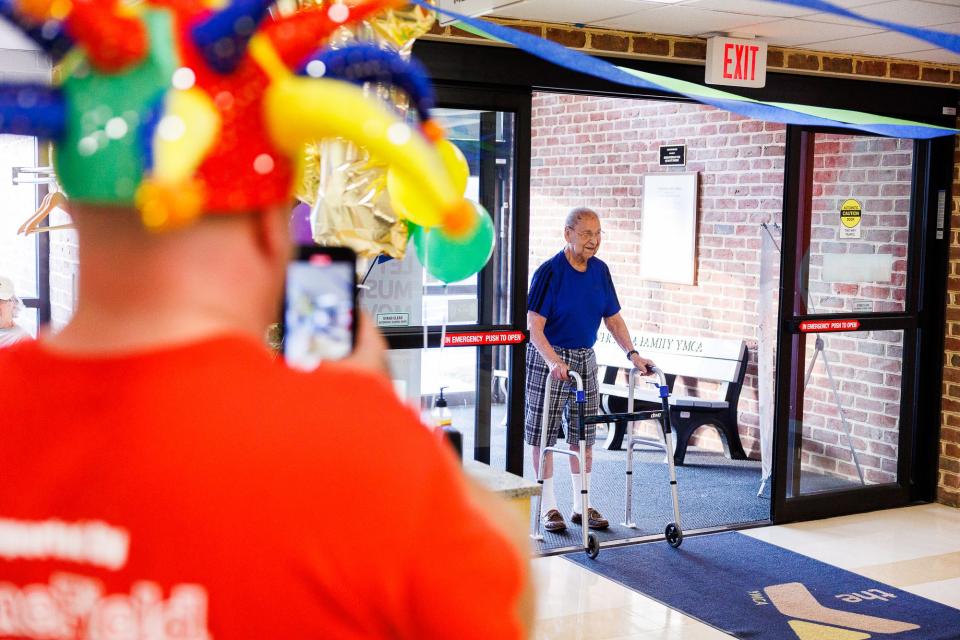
x,y
409,200
300,228
450,259
455,163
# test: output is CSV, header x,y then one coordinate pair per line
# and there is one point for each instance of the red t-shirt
x,y
207,491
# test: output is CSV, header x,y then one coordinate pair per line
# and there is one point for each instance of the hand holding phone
x,y
319,313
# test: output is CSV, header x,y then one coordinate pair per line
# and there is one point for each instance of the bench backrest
x,y
721,360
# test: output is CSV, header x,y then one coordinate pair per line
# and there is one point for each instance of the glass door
x,y
24,258
850,327
476,368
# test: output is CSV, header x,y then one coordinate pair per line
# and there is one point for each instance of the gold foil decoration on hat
x,y
344,186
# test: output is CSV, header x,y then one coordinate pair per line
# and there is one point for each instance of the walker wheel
x,y
673,534
593,546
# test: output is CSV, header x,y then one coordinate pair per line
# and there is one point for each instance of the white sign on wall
x,y
736,62
393,292
669,234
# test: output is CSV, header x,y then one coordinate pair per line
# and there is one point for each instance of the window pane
x,y
851,411
860,228
401,293
18,254
418,375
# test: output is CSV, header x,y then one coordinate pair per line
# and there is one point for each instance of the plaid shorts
x,y
582,361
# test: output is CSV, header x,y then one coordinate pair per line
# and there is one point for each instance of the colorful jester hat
x,y
182,109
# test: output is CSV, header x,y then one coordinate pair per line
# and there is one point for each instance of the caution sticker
x,y
850,214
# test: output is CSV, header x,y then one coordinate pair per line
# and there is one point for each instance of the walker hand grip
x,y
661,377
578,381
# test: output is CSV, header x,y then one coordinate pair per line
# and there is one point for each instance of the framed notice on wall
x,y
668,239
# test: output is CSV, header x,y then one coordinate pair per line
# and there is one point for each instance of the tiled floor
x,y
915,548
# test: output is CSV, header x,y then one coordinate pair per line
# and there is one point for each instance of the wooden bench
x,y
699,362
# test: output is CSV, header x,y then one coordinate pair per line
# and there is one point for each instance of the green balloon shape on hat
x,y
101,158
449,259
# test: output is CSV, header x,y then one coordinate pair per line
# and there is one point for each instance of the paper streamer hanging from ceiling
x,y
944,40
785,113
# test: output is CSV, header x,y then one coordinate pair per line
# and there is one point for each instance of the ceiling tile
x,y
794,32
759,8
854,4
953,27
573,11
885,43
911,12
13,38
679,20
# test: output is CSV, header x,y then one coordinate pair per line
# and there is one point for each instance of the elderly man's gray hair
x,y
578,214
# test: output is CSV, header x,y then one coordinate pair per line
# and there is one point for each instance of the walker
x,y
591,543
672,532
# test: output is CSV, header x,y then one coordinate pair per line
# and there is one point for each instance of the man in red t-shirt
x,y
162,476
160,470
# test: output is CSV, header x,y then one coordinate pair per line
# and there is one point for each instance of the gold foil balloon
x,y
351,207
345,187
400,27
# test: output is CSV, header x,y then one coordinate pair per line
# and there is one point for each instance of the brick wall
x,y
650,46
948,491
595,152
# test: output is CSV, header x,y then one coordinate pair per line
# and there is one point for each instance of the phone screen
x,y
319,310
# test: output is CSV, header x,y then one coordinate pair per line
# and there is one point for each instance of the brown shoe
x,y
553,521
594,519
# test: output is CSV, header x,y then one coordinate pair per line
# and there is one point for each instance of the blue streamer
x,y
33,110
944,40
589,65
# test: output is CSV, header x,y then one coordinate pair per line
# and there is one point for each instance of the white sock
x,y
577,487
548,499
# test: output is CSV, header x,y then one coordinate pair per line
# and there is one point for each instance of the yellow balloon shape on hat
x,y
455,163
340,109
408,199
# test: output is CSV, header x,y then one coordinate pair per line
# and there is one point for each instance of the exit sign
x,y
736,62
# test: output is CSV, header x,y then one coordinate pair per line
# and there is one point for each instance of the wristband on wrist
x,y
631,352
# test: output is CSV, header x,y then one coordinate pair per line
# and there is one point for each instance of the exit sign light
x,y
736,62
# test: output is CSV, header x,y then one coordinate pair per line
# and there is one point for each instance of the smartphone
x,y
319,310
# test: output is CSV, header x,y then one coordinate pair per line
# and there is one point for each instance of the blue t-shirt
x,y
573,302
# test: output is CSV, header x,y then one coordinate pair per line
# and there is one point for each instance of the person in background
x,y
570,295
10,332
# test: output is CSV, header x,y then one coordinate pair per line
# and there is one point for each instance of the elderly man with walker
x,y
569,295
